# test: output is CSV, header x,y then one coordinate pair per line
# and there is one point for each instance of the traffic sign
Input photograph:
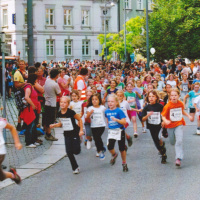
x,y
6,48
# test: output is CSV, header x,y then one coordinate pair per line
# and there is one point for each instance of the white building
x,y
63,29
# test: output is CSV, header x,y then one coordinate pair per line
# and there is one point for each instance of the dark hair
x,y
90,99
31,70
54,73
32,78
37,65
154,92
84,71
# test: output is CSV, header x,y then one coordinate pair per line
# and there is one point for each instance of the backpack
x,y
20,101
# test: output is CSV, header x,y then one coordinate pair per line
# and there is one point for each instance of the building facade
x,y
63,29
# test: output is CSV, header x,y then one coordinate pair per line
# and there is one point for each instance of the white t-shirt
x,y
66,77
80,85
124,106
3,124
98,116
172,83
76,106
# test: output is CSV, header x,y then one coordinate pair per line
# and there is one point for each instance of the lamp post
x,y
105,12
147,34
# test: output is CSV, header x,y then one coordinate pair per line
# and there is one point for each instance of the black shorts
x,y
2,175
49,115
121,143
192,110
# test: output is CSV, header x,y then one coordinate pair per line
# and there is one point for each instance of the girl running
x,y
184,86
116,122
151,114
76,104
72,132
12,174
96,112
172,116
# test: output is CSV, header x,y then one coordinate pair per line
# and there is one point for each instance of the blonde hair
x,y
174,90
67,98
115,97
120,91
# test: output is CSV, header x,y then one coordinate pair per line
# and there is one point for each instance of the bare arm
x,y
77,117
17,84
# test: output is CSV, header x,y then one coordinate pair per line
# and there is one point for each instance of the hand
x,y
18,146
81,133
167,122
51,126
113,119
190,118
91,112
150,113
197,110
34,107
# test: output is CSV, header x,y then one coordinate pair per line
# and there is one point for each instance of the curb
x,y
50,157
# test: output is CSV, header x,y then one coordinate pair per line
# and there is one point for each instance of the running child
x,y
72,132
151,114
12,174
116,122
96,112
76,104
172,116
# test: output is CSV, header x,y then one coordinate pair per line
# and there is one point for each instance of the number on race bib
x,y
96,119
154,118
176,114
114,134
67,124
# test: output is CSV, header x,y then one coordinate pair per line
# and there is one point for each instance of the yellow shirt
x,y
18,77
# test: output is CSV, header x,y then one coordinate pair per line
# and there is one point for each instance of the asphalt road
x,y
147,178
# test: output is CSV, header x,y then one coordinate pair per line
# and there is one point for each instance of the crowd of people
x,y
84,97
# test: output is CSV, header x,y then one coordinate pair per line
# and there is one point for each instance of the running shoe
x,y
125,167
19,127
102,155
97,154
39,141
143,129
113,159
164,159
135,135
198,131
37,144
16,178
31,146
51,138
178,162
130,141
76,171
89,144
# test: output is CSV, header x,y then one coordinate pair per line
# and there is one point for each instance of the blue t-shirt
x,y
195,80
118,114
192,95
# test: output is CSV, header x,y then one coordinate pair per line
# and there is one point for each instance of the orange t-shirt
x,y
174,113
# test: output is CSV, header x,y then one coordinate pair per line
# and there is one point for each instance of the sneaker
x,y
130,141
97,154
89,144
85,142
102,155
135,135
178,162
37,144
198,131
143,129
113,159
164,159
39,141
76,171
163,149
31,146
19,127
125,167
51,138
16,178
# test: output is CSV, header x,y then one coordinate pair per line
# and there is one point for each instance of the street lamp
x,y
111,3
152,50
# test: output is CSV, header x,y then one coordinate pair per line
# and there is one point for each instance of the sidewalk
x,y
30,161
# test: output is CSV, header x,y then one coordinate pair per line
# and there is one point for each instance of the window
x,y
150,2
85,18
67,17
139,5
85,47
50,47
107,25
25,16
127,4
49,16
5,17
68,47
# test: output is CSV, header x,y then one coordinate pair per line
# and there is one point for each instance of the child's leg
x,y
69,150
111,144
179,142
155,136
121,144
171,135
97,133
133,118
4,175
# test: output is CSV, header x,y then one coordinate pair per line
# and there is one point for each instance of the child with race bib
x,y
76,104
131,99
72,132
151,114
172,116
96,112
116,132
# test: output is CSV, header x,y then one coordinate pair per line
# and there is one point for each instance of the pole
x,y
147,35
30,31
125,30
3,80
105,12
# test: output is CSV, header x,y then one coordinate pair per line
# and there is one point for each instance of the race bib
x,y
96,119
114,134
154,118
176,114
131,103
67,124
119,87
98,86
185,88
